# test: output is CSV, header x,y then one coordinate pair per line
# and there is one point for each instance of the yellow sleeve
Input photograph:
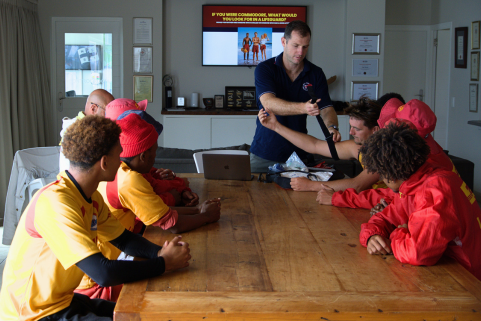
x,y
136,194
60,222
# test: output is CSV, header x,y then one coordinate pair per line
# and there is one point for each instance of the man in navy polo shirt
x,y
281,86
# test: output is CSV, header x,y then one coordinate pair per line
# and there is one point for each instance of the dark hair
x,y
384,98
365,109
127,160
88,139
299,26
394,152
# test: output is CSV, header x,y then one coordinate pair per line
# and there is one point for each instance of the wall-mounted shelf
x,y
475,122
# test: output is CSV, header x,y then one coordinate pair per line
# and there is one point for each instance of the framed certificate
x,y
473,98
365,67
142,31
142,60
143,88
475,65
241,97
368,89
461,47
475,35
366,43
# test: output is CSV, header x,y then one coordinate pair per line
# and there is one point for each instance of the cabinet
x,y
212,131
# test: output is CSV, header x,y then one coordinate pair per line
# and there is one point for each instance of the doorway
x,y
86,54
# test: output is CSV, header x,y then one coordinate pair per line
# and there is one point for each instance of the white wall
x,y
463,139
408,12
183,46
113,8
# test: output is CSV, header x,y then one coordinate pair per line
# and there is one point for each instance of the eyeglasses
x,y
98,106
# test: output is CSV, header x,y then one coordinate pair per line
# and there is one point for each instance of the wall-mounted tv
x,y
83,57
244,35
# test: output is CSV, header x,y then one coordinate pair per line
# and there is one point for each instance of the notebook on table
x,y
227,166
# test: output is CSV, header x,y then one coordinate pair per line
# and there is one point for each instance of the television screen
x,y
244,35
83,57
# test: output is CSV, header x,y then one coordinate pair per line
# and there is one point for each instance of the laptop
x,y
227,166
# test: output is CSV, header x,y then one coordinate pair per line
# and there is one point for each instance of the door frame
x,y
53,57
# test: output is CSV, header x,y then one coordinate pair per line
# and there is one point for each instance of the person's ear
x,y
142,157
375,129
284,41
103,163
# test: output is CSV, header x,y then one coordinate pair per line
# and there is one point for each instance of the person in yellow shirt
x,y
56,239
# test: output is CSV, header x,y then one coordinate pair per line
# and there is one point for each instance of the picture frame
x,y
475,65
142,59
369,89
365,67
218,101
461,47
240,97
475,36
473,98
143,88
142,32
366,43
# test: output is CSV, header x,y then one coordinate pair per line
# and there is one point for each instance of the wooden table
x,y
278,255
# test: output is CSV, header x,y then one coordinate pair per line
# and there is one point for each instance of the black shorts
x,y
82,308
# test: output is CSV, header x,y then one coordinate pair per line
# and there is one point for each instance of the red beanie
x,y
116,107
137,135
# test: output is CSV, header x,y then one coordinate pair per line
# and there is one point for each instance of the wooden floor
x,y
278,255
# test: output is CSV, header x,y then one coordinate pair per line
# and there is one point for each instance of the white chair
x,y
32,168
198,156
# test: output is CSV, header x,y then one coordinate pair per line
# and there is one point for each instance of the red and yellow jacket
x,y
443,217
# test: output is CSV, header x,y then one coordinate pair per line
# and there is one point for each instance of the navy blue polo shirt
x,y
271,77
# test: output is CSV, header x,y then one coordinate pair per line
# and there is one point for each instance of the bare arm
x,y
345,150
360,183
329,117
285,108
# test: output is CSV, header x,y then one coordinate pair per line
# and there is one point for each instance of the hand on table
x,y
378,244
379,207
176,254
302,184
324,196
211,208
189,198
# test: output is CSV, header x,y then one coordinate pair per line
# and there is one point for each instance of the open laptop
x,y
227,166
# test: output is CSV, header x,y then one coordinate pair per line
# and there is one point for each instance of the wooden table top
x,y
278,255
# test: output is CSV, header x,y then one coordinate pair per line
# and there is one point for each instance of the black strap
x,y
327,134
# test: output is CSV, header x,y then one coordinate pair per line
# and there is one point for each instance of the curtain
x,y
25,114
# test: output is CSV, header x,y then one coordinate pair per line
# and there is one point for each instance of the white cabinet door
x,y
187,132
233,131
315,130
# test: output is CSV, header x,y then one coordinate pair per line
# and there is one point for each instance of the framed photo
x,y
473,98
461,47
219,101
142,58
475,35
143,88
240,97
475,65
366,43
208,103
142,31
368,89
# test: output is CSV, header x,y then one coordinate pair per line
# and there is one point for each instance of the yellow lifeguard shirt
x,y
58,228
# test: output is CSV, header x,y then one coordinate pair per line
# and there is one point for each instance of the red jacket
x,y
162,187
443,217
371,197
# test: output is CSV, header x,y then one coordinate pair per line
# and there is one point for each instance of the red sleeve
x,y
430,228
159,189
383,223
365,199
163,185
168,220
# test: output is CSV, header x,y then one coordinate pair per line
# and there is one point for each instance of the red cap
x,y
414,111
116,107
137,135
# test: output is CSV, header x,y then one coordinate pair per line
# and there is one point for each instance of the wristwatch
x,y
334,126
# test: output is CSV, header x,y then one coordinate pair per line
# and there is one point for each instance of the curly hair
x,y
366,109
88,139
394,152
384,98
